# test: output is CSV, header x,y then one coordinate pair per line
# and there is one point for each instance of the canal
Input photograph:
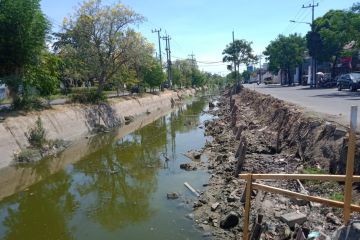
x,y
116,189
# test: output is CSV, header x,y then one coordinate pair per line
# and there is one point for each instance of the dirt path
x,y
280,139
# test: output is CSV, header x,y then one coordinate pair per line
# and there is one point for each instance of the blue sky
x,y
204,27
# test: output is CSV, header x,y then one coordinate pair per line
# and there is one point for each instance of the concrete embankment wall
x,y
71,122
315,140
14,179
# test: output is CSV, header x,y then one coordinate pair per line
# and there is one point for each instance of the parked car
x,y
268,80
325,81
349,81
135,89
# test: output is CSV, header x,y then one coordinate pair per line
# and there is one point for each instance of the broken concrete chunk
x,y
230,221
330,217
172,195
214,206
187,167
292,218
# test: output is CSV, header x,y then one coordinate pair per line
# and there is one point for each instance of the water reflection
x,y
107,191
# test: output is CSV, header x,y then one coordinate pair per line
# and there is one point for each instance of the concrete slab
x,y
292,218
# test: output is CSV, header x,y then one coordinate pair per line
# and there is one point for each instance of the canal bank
x,y
115,186
72,122
259,134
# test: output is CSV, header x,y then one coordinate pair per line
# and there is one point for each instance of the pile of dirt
x,y
278,138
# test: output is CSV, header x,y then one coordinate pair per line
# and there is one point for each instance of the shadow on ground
x,y
350,96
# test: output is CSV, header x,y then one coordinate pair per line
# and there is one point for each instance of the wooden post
x,y
247,207
350,165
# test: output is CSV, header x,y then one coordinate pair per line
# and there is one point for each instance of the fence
x,y
349,179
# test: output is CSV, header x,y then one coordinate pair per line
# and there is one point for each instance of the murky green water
x,y
119,190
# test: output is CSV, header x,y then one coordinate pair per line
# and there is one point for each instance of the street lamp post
x,y
313,60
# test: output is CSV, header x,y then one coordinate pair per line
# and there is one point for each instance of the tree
x,y
355,7
44,76
99,38
198,78
285,53
176,76
246,75
239,52
154,75
186,68
331,33
23,29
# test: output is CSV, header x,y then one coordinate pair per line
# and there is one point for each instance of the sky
x,y
204,27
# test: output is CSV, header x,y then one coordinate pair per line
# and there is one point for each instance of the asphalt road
x,y
331,103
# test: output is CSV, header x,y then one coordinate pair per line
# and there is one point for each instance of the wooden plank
x,y
320,177
350,165
241,156
330,203
247,207
191,189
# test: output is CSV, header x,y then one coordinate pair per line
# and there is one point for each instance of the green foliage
x,y
36,136
88,96
44,76
332,32
355,8
153,75
182,72
285,53
29,103
98,39
246,75
27,156
239,52
313,170
337,197
198,78
23,29
177,77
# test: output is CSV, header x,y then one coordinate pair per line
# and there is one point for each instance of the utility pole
x,y
313,60
159,37
233,37
168,56
260,68
192,57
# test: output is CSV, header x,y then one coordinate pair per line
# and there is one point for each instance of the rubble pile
x,y
256,133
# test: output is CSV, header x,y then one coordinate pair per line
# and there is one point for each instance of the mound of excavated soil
x,y
279,138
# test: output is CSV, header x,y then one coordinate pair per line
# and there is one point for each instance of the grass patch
x,y
88,97
6,101
313,170
337,197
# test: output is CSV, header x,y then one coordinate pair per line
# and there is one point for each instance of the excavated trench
x,y
278,138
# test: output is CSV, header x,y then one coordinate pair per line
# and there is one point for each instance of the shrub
x,y
29,103
88,96
37,135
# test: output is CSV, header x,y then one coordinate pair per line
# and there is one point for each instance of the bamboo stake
x,y
350,165
320,177
247,207
296,195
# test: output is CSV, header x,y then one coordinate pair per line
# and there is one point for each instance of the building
x,y
3,91
250,68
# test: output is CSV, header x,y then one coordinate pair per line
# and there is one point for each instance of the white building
x,y
3,91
